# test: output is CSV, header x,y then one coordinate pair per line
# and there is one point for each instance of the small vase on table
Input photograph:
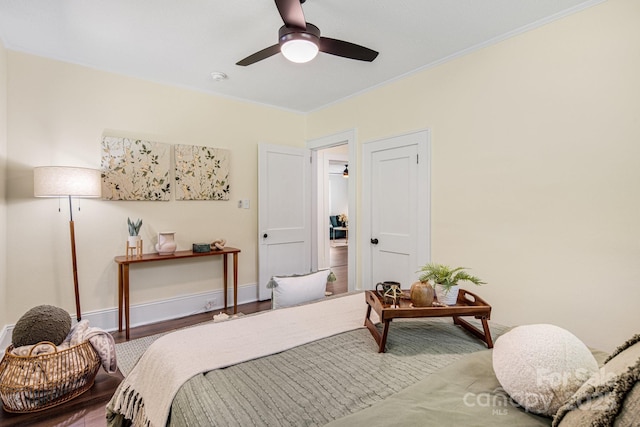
x,y
134,241
166,243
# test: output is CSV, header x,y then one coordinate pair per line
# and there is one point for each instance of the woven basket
x,y
33,383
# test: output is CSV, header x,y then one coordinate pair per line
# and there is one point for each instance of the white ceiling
x,y
180,42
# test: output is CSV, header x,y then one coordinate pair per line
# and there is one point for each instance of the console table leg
x,y
235,283
224,279
125,279
120,292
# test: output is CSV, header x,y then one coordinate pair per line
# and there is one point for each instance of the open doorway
x,y
337,210
332,200
333,154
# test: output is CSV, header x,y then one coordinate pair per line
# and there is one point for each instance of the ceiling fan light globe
x,y
299,50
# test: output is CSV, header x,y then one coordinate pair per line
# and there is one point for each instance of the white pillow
x,y
292,290
542,366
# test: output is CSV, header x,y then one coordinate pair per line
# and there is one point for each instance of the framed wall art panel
x,y
202,173
134,169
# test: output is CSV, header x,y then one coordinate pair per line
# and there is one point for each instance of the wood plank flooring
x,y
88,410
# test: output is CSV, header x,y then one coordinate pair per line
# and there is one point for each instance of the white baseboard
x,y
5,337
156,311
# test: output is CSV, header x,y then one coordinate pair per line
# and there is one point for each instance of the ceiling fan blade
x,y
260,55
291,13
346,49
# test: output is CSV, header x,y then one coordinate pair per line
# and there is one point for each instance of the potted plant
x,y
445,280
134,229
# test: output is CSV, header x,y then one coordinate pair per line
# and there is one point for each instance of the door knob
x,y
374,241
265,235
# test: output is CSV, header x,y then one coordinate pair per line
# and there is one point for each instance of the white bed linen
x,y
146,394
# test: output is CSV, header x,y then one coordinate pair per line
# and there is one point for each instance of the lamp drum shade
x,y
62,181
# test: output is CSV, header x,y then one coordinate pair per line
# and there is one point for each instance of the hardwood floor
x,y
88,410
338,262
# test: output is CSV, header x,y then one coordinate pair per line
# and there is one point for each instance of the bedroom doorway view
x,y
334,205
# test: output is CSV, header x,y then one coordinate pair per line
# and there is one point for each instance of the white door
x,y
396,209
284,219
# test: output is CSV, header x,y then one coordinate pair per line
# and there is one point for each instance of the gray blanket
x,y
465,393
322,381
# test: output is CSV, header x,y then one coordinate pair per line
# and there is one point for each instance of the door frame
x,y
423,139
345,137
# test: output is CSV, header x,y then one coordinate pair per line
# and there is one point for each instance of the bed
x,y
317,365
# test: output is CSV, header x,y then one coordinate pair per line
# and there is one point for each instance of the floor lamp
x,y
64,181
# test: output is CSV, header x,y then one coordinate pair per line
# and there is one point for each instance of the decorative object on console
x,y
201,247
134,241
41,323
421,294
218,244
202,173
542,366
134,169
445,280
166,243
134,227
65,181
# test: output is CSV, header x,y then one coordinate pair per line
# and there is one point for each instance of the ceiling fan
x,y
300,41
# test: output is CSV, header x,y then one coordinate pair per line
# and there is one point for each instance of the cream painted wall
x,y
58,114
536,184
3,168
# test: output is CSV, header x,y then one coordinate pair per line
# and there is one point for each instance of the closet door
x,y
396,209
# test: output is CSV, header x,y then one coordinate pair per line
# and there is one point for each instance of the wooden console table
x,y
123,276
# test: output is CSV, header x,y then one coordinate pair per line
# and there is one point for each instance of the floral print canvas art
x,y
134,169
202,173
